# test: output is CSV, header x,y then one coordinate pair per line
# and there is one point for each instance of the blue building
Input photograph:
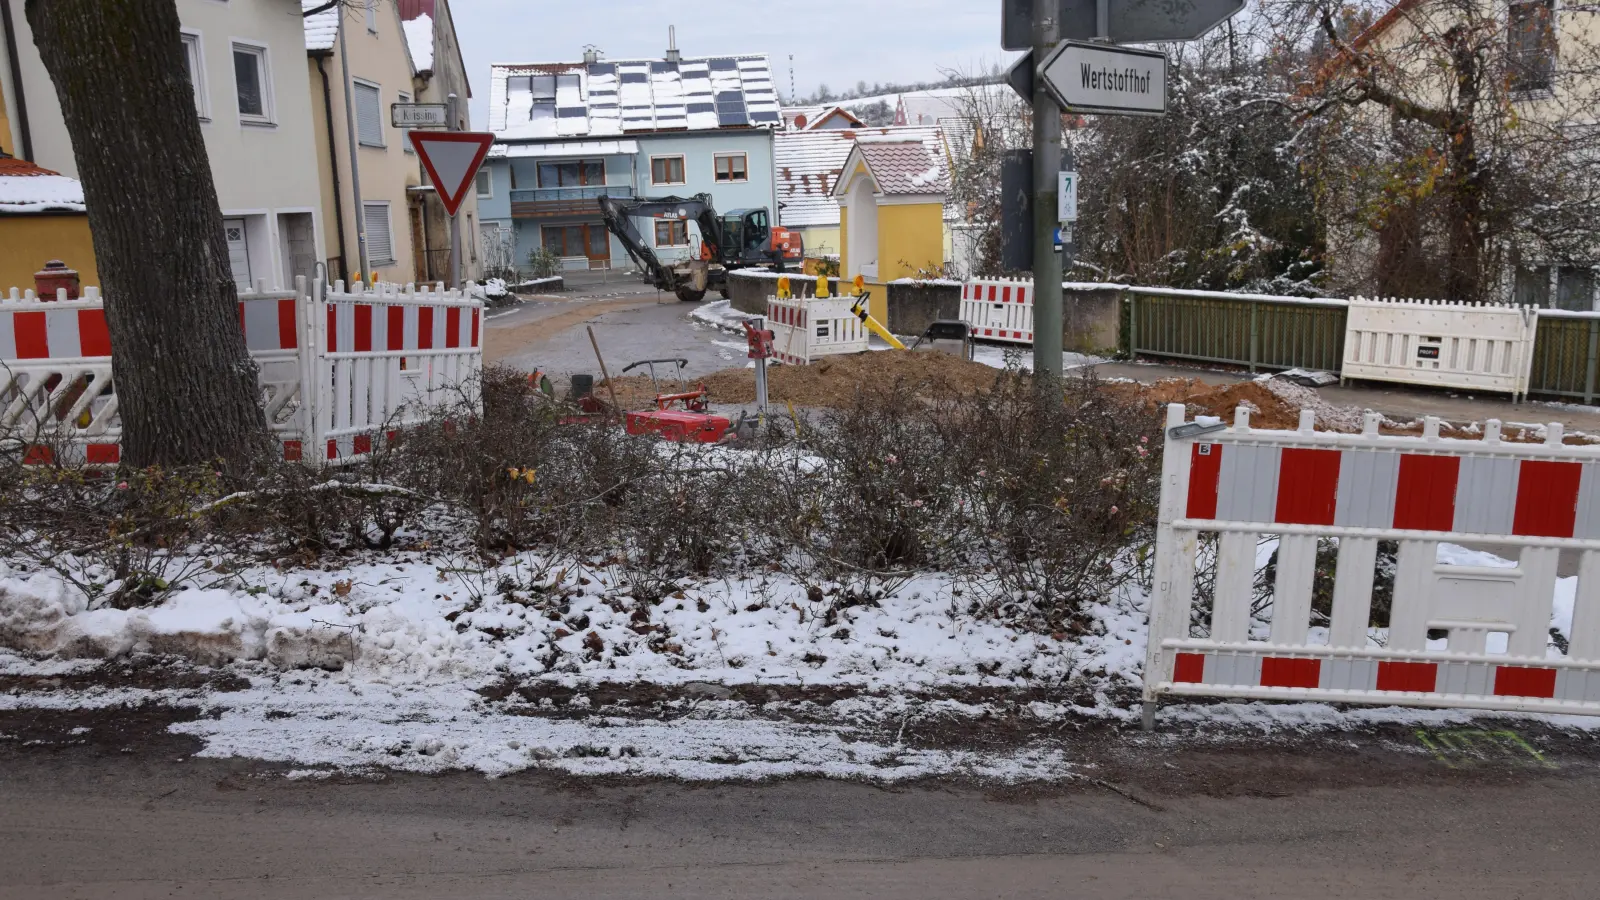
x,y
569,133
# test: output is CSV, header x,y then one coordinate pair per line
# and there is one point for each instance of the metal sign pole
x,y
455,221
1046,165
355,157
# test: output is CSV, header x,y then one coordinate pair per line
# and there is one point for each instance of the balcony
x,y
566,201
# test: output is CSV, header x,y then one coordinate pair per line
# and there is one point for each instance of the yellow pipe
x,y
860,310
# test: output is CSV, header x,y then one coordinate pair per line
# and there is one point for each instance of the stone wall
x,y
748,290
913,305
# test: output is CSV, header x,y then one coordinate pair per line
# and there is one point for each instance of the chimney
x,y
591,54
672,44
55,274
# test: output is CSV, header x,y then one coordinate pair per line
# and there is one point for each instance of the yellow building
x,y
891,213
42,218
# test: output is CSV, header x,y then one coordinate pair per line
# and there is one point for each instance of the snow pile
x,y
720,314
419,41
423,619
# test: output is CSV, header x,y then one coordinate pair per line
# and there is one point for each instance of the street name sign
x,y
1102,79
1127,21
419,115
452,159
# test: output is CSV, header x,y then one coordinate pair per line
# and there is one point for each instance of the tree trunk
x,y
186,386
1463,270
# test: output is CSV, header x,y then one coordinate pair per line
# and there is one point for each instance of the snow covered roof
x,y
322,28
419,41
809,164
564,148
612,97
928,107
26,188
800,118
903,165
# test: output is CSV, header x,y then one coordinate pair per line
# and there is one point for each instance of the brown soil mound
x,y
1270,410
830,382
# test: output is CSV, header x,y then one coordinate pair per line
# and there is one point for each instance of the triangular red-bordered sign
x,y
452,159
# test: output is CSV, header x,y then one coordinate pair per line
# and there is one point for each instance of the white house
x,y
253,97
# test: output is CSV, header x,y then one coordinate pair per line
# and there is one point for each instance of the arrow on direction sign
x,y
1128,21
452,159
1100,78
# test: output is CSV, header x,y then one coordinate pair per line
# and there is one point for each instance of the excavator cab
x,y
745,234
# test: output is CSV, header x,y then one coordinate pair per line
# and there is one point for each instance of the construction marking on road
x,y
1466,747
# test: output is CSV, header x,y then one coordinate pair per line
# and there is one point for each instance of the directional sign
x,y
1067,197
1128,21
419,115
1097,78
452,159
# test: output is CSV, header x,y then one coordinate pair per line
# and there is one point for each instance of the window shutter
x,y
380,245
369,117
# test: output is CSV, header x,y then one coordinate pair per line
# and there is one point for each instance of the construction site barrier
x,y
1237,486
998,309
805,329
1460,345
380,358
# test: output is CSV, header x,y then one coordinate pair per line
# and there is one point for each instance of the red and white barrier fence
x,y
1242,485
805,329
381,358
998,309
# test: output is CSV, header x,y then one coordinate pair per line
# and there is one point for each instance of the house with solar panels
x,y
569,133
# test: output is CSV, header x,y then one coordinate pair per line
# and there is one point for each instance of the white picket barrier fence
x,y
1432,342
998,309
805,329
381,358
1242,484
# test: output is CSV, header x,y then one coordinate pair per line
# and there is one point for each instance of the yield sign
x,y
452,159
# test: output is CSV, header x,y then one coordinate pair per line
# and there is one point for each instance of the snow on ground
x,y
429,662
431,620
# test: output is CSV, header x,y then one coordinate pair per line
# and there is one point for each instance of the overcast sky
x,y
834,42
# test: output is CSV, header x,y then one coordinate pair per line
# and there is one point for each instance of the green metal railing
x,y
1566,349
1251,330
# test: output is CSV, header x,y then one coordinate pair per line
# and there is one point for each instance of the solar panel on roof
x,y
731,119
596,69
702,107
571,112
635,78
663,66
771,116
722,65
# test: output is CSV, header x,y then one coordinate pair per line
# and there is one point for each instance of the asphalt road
x,y
1234,821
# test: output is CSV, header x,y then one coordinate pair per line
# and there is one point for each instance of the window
x,y
369,114
672,233
485,184
577,240
572,173
194,62
253,84
405,133
666,170
1531,45
732,167
372,16
380,238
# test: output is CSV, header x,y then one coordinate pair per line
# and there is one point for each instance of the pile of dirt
x,y
1267,409
830,382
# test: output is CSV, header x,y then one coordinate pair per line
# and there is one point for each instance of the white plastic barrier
x,y
805,329
379,357
1242,484
1459,345
998,309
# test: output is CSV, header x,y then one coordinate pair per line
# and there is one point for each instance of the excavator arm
x,y
619,215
